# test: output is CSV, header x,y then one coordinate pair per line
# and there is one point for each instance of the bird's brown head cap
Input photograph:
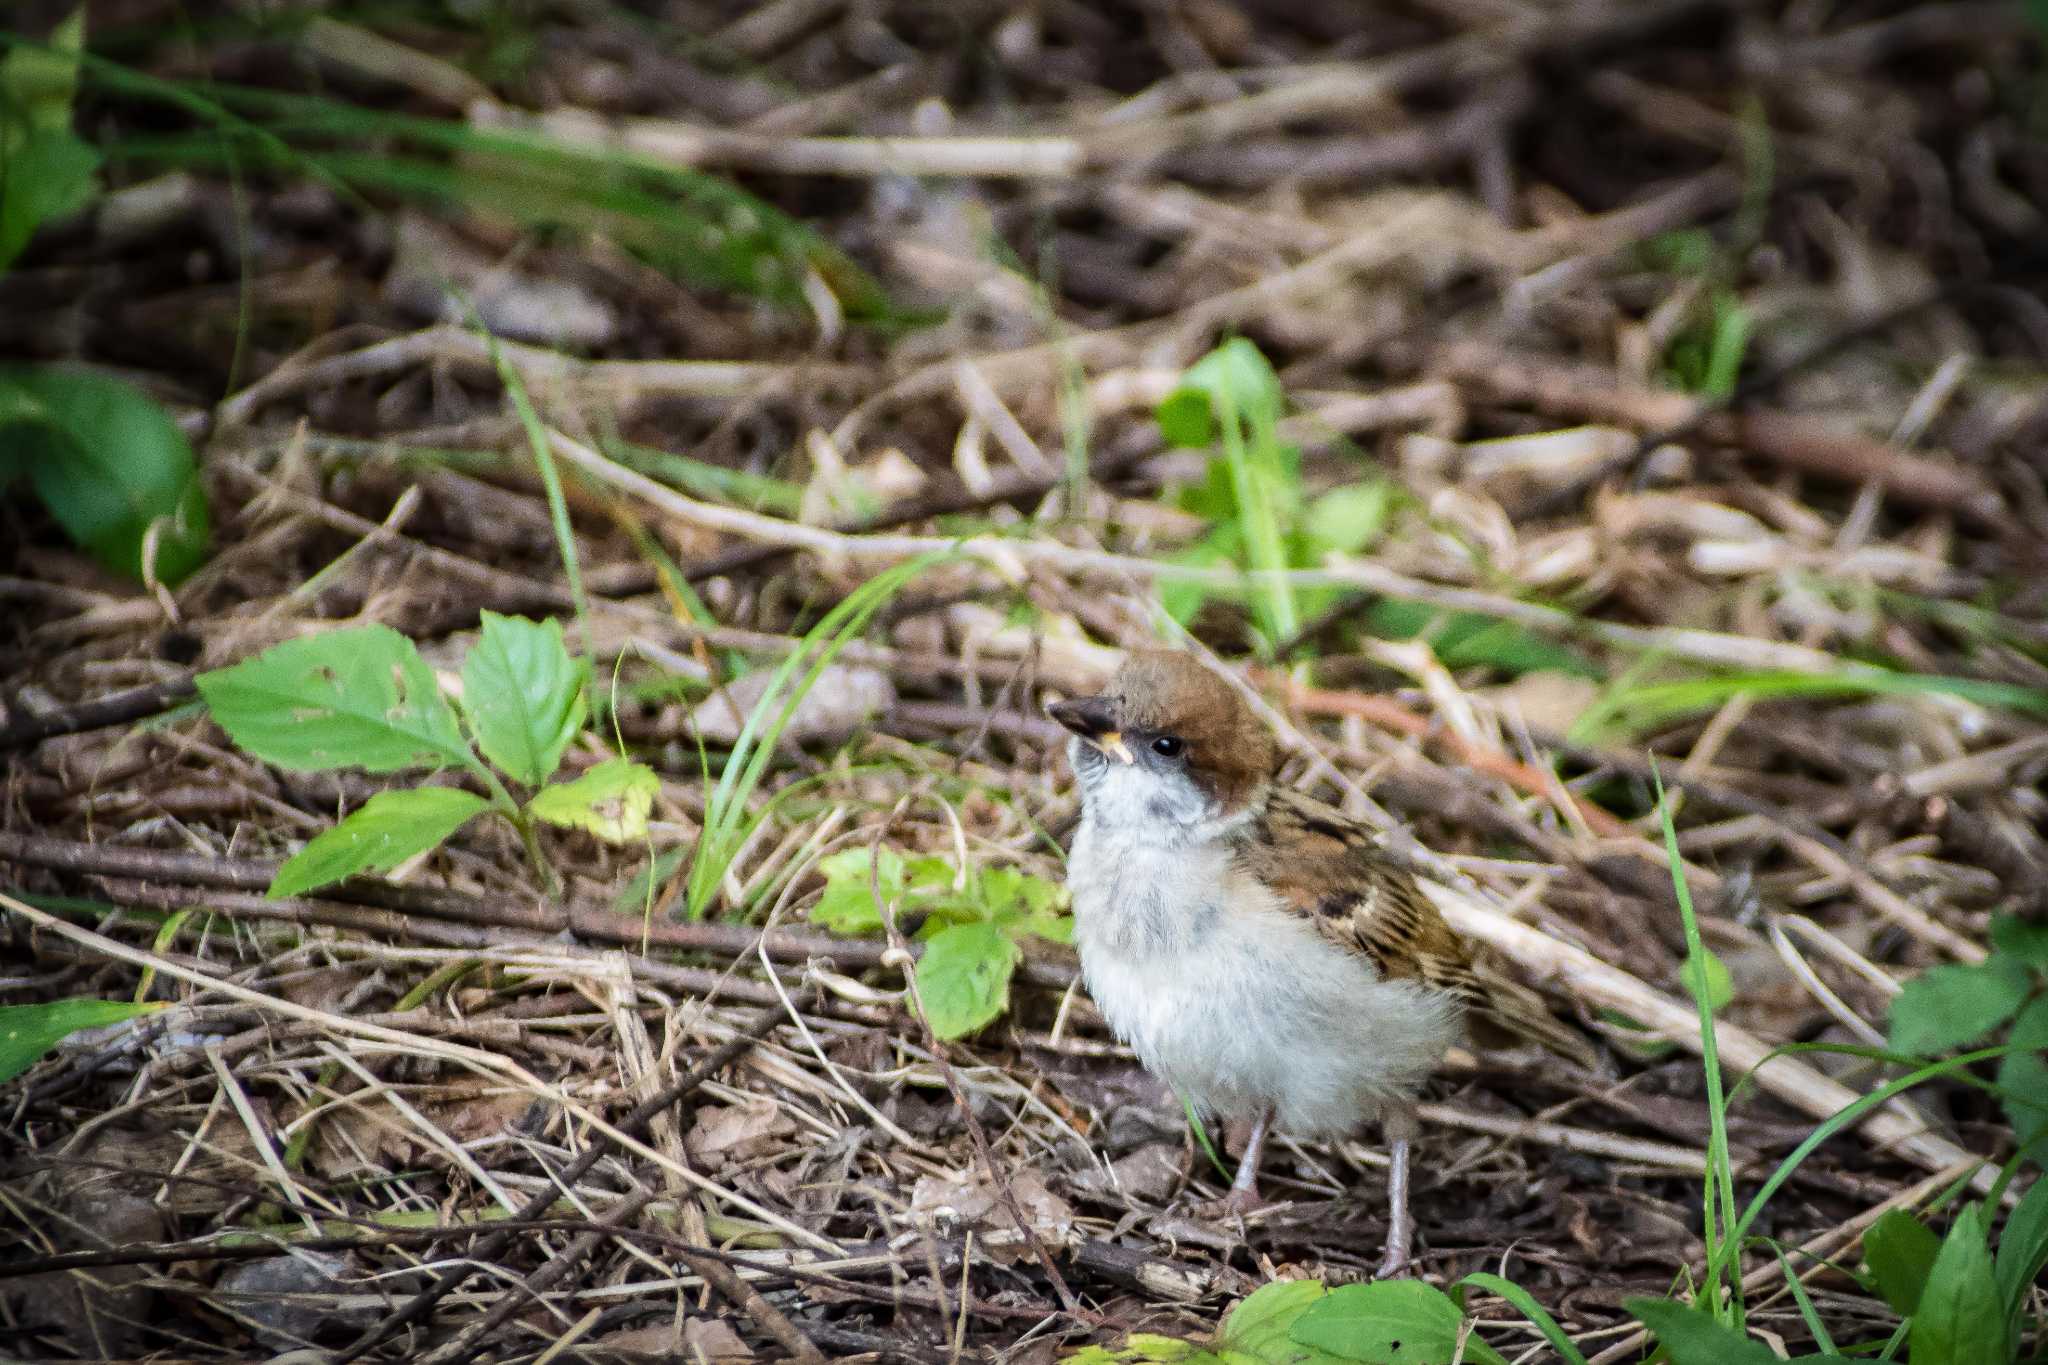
x,y
1165,708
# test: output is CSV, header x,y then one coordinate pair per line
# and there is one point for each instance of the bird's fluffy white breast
x,y
1232,1000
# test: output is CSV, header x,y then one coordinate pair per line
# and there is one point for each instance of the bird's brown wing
x,y
1326,867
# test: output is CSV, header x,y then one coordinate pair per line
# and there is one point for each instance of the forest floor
x,y
1658,389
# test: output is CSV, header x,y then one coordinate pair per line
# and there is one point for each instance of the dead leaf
x,y
723,1130
962,1199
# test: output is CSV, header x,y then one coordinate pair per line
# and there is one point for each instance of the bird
x,y
1257,949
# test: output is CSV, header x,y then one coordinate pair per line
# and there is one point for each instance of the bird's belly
x,y
1241,1011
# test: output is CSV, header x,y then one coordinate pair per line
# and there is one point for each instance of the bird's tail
x,y
1507,1007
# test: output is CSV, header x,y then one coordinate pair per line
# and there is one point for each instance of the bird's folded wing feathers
x,y
1325,868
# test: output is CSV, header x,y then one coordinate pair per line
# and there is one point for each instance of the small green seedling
x,y
972,925
1261,520
107,461
1961,1005
50,172
1231,400
364,698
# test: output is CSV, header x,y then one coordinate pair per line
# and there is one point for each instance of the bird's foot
x,y
1400,1242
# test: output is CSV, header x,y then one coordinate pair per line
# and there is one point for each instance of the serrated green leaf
x,y
1691,1337
1707,976
2021,940
356,698
389,828
112,467
964,977
611,801
29,1031
1020,903
1900,1250
1955,1004
524,695
1347,520
1392,1322
1961,1319
2023,1248
848,905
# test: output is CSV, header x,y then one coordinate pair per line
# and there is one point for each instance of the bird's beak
x,y
1093,719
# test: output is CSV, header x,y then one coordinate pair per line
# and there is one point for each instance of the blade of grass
x,y
1647,706
1718,1202
695,217
1525,1303
1807,1312
756,492
726,823
538,441
1956,1067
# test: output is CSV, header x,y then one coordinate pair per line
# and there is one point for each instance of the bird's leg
x,y
1244,1190
1400,1127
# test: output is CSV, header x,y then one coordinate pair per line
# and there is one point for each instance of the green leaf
x,y
1182,599
356,698
2023,1072
1707,977
1254,1333
39,84
524,694
727,821
645,885
611,801
1464,639
2023,1248
1900,1250
1185,419
112,467
1143,1348
848,905
1214,499
389,828
1347,520
1962,1318
51,174
1238,374
2021,940
1020,903
1393,1322
29,1031
1693,1338
1955,1004
1259,1328
964,977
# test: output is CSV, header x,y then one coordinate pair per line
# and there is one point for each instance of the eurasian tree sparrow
x,y
1252,945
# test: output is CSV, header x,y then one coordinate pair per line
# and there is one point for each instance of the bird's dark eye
x,y
1169,746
